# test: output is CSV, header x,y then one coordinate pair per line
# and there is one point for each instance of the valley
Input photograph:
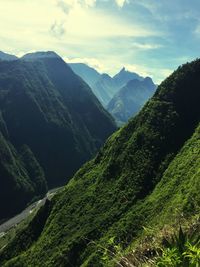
x,y
32,208
146,175
46,131
99,133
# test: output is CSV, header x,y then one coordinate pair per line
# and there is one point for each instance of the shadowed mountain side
x,y
52,114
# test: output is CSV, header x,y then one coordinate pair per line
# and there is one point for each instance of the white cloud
x,y
35,22
152,6
120,3
93,24
67,5
166,72
72,28
146,46
157,74
90,3
22,53
57,29
92,62
143,71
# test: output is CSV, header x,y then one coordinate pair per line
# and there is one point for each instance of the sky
x,y
150,37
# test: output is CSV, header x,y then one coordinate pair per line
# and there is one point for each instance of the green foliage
x,y
111,250
146,174
29,233
192,253
181,250
170,258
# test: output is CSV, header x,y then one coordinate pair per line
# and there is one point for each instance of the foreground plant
x,y
181,250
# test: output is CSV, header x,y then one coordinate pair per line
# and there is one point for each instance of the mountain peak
x,y
148,80
105,76
124,76
40,54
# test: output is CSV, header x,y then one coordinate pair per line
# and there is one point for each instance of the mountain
x,y
88,74
146,175
107,87
40,55
7,57
130,99
50,124
124,76
102,85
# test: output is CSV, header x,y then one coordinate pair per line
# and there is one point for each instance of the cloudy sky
x,y
151,37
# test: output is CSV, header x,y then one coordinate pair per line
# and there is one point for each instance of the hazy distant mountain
x,y
122,95
130,99
88,74
105,88
7,57
103,85
125,76
50,124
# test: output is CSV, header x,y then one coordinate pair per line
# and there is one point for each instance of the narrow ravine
x,y
14,221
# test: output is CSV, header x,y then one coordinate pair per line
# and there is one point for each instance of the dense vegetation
x,y
50,124
147,173
181,249
130,99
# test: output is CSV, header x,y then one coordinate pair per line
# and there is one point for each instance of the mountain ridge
x,y
87,73
113,195
128,101
48,114
7,57
103,85
40,55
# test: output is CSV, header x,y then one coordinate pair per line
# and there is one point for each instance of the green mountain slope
x,y
22,178
145,171
52,119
